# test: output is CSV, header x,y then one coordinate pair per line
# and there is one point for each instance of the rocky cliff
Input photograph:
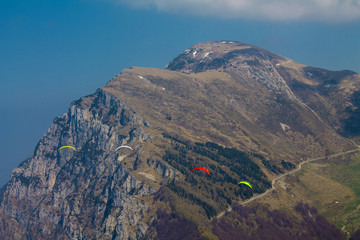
x,y
87,193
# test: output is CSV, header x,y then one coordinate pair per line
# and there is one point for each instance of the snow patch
x,y
206,54
194,53
141,77
284,127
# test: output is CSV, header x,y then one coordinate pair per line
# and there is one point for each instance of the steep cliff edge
x,y
87,192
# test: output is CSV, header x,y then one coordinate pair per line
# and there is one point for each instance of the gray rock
x,y
82,194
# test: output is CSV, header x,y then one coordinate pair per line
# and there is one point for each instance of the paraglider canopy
x,y
201,168
67,147
123,147
246,183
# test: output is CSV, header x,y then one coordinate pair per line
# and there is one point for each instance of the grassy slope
x,y
194,106
347,214
213,106
332,186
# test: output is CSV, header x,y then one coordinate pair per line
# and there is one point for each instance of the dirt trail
x,y
286,174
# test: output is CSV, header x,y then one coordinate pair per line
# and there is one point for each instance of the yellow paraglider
x,y
67,147
246,183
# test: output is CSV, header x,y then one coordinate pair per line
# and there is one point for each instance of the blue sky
x,y
54,52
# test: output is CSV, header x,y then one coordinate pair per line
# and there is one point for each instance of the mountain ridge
x,y
241,111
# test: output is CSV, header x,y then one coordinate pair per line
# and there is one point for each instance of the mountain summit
x,y
239,111
221,55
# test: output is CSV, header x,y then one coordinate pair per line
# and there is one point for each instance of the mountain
x,y
239,111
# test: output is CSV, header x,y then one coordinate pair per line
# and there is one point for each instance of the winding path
x,y
286,174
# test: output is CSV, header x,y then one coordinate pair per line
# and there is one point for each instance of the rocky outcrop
x,y
162,169
82,194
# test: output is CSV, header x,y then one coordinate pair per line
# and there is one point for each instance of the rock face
x,y
236,109
82,194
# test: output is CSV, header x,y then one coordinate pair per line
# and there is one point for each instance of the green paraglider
x,y
246,183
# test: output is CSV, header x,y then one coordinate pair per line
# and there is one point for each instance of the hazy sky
x,y
54,52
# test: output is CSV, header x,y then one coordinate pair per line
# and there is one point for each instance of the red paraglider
x,y
201,168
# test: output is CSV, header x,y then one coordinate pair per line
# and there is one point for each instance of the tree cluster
x,y
227,167
275,169
288,165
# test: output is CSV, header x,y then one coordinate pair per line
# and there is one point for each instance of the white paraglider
x,y
124,147
124,151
